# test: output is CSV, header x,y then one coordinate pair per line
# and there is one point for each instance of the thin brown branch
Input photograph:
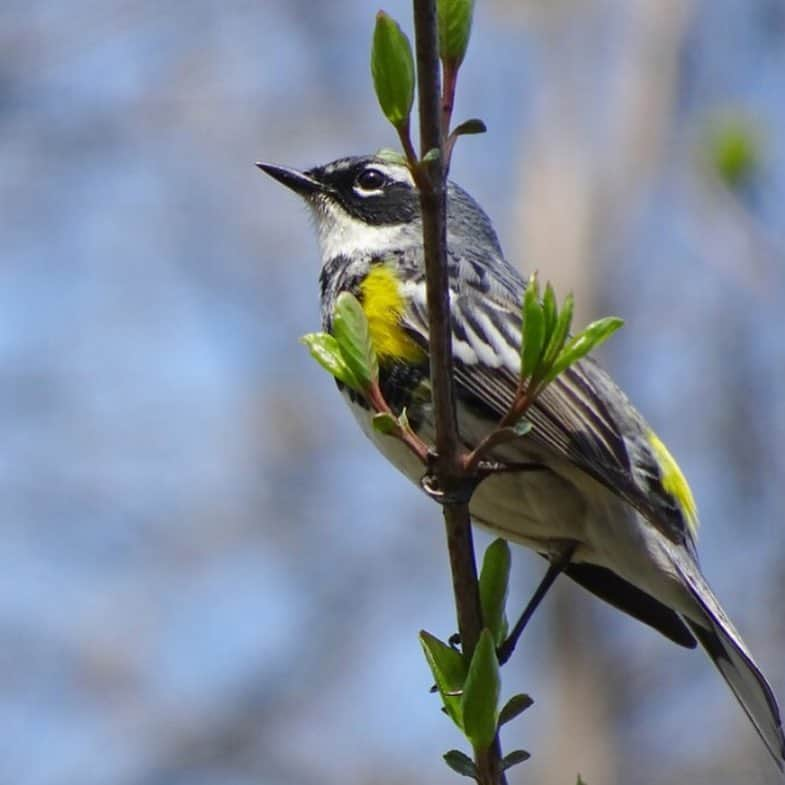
x,y
500,435
404,135
488,763
433,197
447,468
448,101
405,434
503,432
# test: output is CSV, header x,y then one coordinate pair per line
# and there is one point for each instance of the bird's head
x,y
369,205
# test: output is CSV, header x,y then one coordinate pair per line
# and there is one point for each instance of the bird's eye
x,y
370,180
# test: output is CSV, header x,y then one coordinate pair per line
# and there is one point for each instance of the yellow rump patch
x,y
674,482
384,305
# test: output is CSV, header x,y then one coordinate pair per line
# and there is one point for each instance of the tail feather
x,y
728,652
632,600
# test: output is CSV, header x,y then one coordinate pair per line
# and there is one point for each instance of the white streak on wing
x,y
508,356
464,352
415,292
485,353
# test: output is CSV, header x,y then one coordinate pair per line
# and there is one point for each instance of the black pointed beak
x,y
298,181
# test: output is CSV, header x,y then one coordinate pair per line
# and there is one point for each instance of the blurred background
x,y
208,576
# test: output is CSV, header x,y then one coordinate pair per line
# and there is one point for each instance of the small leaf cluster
x,y
546,346
470,689
546,351
393,72
348,355
348,352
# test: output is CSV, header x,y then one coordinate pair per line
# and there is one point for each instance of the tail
x,y
729,653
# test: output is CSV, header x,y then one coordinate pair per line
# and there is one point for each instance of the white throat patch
x,y
341,234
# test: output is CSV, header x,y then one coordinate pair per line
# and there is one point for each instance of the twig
x,y
406,142
433,192
448,95
447,468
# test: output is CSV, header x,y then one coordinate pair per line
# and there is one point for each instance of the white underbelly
x,y
543,510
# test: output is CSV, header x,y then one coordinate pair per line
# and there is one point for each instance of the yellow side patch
x,y
674,482
384,305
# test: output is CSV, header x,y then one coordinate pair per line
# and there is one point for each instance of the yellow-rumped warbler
x,y
606,484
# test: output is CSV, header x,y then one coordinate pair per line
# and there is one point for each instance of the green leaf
x,y
461,763
468,127
385,423
550,309
392,68
580,781
494,583
513,758
514,706
455,27
533,328
324,349
432,155
350,328
481,693
585,342
560,332
449,672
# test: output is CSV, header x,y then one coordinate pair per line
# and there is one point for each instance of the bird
x,y
606,500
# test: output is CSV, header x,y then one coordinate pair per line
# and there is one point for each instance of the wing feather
x,y
582,416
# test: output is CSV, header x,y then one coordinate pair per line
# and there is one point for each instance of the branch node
x,y
460,493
